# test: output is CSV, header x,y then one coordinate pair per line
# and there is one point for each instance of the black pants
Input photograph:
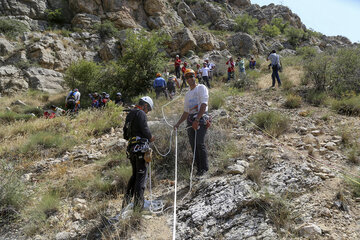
x,y
201,158
177,72
137,182
159,90
206,80
183,82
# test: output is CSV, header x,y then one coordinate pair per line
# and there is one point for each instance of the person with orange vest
x,y
183,69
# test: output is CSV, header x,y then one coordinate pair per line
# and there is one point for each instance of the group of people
x,y
100,100
241,63
137,132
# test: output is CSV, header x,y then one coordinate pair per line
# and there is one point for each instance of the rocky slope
x,y
194,26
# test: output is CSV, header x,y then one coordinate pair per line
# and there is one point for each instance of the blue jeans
x,y
230,75
275,74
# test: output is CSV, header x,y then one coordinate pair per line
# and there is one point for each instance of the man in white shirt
x,y
195,112
211,66
205,70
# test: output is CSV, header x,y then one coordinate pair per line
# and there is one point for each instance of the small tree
x,y
270,31
12,28
106,29
280,24
246,23
55,16
84,75
142,59
294,35
318,71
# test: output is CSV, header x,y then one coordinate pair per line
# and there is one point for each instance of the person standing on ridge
x,y
177,66
275,64
137,132
160,86
205,74
195,112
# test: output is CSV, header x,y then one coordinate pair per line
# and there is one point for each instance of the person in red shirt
x,y
177,66
183,69
231,68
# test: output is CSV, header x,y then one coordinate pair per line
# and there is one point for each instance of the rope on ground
x,y
175,192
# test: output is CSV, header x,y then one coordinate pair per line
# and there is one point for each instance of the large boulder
x,y
85,20
206,41
86,6
207,12
122,18
12,80
186,14
45,80
32,8
155,7
183,41
6,47
44,56
243,44
110,50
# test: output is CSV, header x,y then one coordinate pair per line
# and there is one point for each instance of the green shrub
x,y
246,82
12,28
354,183
347,106
280,24
217,100
354,153
306,53
55,16
106,29
318,71
272,122
12,192
246,23
293,101
316,98
270,30
9,116
294,35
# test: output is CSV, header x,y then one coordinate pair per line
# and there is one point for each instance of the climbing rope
x,y
175,192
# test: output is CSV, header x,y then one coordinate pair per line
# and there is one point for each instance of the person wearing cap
x,y
160,86
195,112
137,132
95,99
72,100
118,99
177,66
105,98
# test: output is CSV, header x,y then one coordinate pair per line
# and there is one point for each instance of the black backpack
x,y
128,122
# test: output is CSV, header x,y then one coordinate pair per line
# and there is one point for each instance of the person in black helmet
x,y
138,134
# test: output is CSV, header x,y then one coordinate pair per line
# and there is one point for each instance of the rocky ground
x,y
300,192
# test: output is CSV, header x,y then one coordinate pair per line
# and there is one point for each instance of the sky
x,y
330,17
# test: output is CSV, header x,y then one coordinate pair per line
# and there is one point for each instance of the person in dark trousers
x,y
183,69
160,86
252,63
195,112
275,64
137,132
171,86
177,64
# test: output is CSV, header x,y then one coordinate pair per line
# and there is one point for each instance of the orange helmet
x,y
158,75
189,71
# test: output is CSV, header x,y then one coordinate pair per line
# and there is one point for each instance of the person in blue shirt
x,y
160,86
252,63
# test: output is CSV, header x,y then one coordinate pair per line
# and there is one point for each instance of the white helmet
x,y
149,101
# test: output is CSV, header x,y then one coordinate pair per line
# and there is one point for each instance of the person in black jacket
x,y
138,134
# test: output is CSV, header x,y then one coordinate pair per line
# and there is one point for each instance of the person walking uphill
x,y
177,64
72,101
275,64
138,134
195,112
160,86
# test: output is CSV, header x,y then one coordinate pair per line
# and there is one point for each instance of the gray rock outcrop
x,y
12,80
45,80
244,44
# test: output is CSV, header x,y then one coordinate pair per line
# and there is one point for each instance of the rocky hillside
x,y
53,34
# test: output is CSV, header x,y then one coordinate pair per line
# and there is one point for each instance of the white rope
x,y
175,192
165,154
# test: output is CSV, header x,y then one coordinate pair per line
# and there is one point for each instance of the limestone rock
x,y
123,18
186,14
6,47
310,231
184,41
45,80
44,56
32,8
110,50
12,80
85,20
153,7
206,41
86,6
63,236
243,43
